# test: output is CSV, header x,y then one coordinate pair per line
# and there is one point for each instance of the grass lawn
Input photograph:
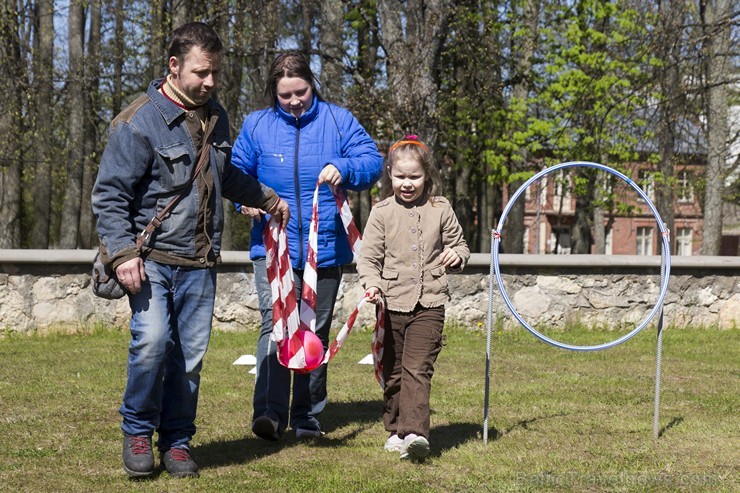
x,y
559,420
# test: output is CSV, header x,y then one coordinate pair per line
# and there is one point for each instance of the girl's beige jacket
x,y
401,249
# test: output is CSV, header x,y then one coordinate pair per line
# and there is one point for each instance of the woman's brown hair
x,y
290,64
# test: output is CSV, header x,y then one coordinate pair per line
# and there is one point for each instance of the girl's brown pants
x,y
411,345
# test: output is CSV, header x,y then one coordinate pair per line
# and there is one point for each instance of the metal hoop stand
x,y
665,268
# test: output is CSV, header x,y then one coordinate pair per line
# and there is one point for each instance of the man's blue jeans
x,y
272,388
170,329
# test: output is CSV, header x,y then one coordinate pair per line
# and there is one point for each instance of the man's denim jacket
x,y
149,158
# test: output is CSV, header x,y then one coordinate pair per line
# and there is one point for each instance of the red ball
x,y
312,347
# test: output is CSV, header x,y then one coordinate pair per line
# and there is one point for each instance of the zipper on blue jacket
x,y
298,193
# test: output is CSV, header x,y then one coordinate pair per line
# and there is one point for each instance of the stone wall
x,y
40,289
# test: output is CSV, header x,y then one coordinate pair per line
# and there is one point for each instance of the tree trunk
x,y
581,237
489,210
716,24
462,200
669,47
118,57
413,51
332,50
253,50
523,51
43,87
76,124
364,106
601,196
158,30
260,42
599,231
10,128
306,38
92,103
512,240
182,12
229,88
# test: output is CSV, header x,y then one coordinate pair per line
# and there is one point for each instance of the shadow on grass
x,y
336,416
341,414
451,436
359,415
674,422
159,471
524,423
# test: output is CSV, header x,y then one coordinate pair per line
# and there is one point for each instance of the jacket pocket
x,y
390,279
175,165
222,147
438,282
272,159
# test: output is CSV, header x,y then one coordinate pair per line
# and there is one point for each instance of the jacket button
x,y
413,247
411,213
413,265
202,261
413,230
413,281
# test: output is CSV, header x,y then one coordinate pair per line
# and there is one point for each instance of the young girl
x,y
410,240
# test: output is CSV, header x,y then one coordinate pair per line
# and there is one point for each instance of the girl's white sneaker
x,y
415,447
393,444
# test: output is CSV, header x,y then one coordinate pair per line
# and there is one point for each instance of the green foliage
x,y
582,90
591,88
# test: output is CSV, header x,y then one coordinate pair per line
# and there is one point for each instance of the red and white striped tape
x,y
287,323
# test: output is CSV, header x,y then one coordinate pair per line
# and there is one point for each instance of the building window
x,y
608,248
683,242
561,192
685,187
530,192
644,241
646,182
560,240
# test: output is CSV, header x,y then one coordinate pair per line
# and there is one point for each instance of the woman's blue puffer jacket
x,y
288,153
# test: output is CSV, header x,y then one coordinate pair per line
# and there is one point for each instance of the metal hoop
x,y
665,257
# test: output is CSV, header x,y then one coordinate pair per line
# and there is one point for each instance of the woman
x,y
298,141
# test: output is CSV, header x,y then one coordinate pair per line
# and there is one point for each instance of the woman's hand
x,y
450,258
331,175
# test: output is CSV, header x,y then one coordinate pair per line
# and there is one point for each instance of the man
x,y
150,158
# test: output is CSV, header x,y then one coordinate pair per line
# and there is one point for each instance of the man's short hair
x,y
193,34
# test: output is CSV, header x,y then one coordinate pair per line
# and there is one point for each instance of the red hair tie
x,y
411,139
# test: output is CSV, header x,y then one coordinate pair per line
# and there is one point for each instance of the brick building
x,y
631,228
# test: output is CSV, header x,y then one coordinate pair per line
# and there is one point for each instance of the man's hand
x,y
331,175
281,212
131,274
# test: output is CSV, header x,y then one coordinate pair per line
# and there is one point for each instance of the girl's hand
x,y
253,212
331,175
372,294
450,258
